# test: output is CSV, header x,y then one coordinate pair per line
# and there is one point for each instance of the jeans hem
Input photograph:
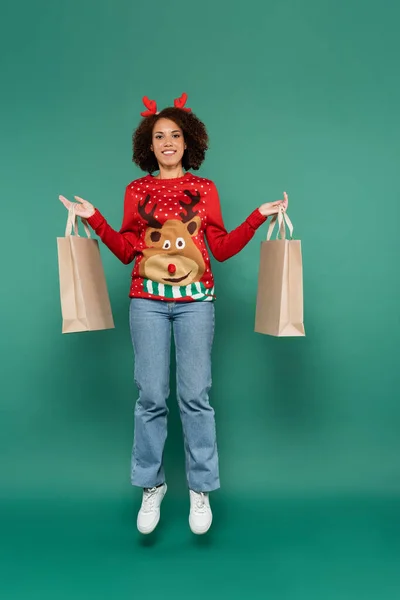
x,y
205,488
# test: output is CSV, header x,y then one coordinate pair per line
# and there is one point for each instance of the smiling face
x,y
168,143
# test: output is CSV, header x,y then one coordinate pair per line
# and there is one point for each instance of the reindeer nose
x,y
171,269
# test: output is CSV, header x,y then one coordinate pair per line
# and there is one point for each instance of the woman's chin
x,y
170,163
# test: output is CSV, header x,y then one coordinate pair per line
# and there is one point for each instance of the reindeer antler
x,y
180,103
190,213
149,216
150,105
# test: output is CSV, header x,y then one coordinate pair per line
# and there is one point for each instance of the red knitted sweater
x,y
165,225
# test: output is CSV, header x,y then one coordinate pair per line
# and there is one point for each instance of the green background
x,y
297,96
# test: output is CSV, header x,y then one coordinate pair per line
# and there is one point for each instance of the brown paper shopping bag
x,y
85,304
279,309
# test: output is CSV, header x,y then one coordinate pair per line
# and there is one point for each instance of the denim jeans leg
x,y
150,325
193,324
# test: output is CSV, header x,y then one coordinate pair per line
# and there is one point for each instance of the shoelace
x,y
148,498
200,504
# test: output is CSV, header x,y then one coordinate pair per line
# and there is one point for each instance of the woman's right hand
x,y
83,208
272,208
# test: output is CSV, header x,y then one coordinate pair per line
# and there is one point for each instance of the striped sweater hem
x,y
196,291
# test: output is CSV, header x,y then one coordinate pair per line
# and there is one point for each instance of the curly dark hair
x,y
194,133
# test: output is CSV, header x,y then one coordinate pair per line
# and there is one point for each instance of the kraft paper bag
x,y
85,304
279,309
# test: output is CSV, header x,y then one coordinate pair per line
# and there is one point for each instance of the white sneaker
x,y
149,513
200,516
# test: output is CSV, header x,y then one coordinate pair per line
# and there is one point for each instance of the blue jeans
x,y
151,323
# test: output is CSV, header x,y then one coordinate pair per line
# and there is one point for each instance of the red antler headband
x,y
180,103
152,106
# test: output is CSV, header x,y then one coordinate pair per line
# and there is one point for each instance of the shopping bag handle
x,y
72,223
282,218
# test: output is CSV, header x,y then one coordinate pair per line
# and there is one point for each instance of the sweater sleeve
x,y
122,243
224,245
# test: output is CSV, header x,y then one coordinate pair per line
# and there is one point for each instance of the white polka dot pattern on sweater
x,y
164,230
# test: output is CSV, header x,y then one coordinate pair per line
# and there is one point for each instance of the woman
x,y
167,218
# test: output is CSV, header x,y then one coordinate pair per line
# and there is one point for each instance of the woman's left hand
x,y
271,208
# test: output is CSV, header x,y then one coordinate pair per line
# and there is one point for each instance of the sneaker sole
x,y
150,529
200,531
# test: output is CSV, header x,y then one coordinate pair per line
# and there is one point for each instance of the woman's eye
x,y
166,245
180,243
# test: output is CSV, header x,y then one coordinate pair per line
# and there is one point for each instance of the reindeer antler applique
x,y
149,216
151,106
190,213
180,103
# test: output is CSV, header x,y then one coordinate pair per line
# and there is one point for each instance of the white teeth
x,y
169,152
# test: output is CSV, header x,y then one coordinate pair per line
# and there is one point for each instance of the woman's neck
x,y
172,173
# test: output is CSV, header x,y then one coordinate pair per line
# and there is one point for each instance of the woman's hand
x,y
271,208
83,208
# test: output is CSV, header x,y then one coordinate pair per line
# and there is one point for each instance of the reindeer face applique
x,y
171,256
